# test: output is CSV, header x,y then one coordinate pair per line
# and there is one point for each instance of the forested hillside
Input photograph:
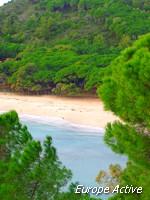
x,y
63,46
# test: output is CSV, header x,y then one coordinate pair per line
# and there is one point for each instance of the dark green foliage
x,y
9,50
30,170
126,140
67,41
125,90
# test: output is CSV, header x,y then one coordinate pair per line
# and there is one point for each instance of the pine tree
x,y
126,92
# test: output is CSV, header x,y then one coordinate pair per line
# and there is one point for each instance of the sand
x,y
83,111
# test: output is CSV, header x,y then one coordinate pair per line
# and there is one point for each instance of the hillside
x,y
63,46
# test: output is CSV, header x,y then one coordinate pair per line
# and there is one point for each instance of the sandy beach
x,y
83,111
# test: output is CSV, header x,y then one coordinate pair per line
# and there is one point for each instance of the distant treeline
x,y
63,46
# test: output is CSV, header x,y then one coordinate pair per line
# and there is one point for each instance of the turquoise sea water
x,y
82,151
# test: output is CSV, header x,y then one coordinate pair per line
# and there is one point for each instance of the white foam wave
x,y
60,122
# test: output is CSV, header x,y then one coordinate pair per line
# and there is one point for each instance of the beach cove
x,y
76,126
82,111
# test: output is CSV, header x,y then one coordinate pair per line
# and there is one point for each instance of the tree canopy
x,y
30,170
67,42
125,90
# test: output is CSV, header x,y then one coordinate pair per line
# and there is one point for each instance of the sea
x,y
80,148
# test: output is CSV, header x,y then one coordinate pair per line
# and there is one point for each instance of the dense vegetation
x,y
30,170
126,91
63,46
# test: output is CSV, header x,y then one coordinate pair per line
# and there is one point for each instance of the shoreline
x,y
63,124
59,122
85,112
